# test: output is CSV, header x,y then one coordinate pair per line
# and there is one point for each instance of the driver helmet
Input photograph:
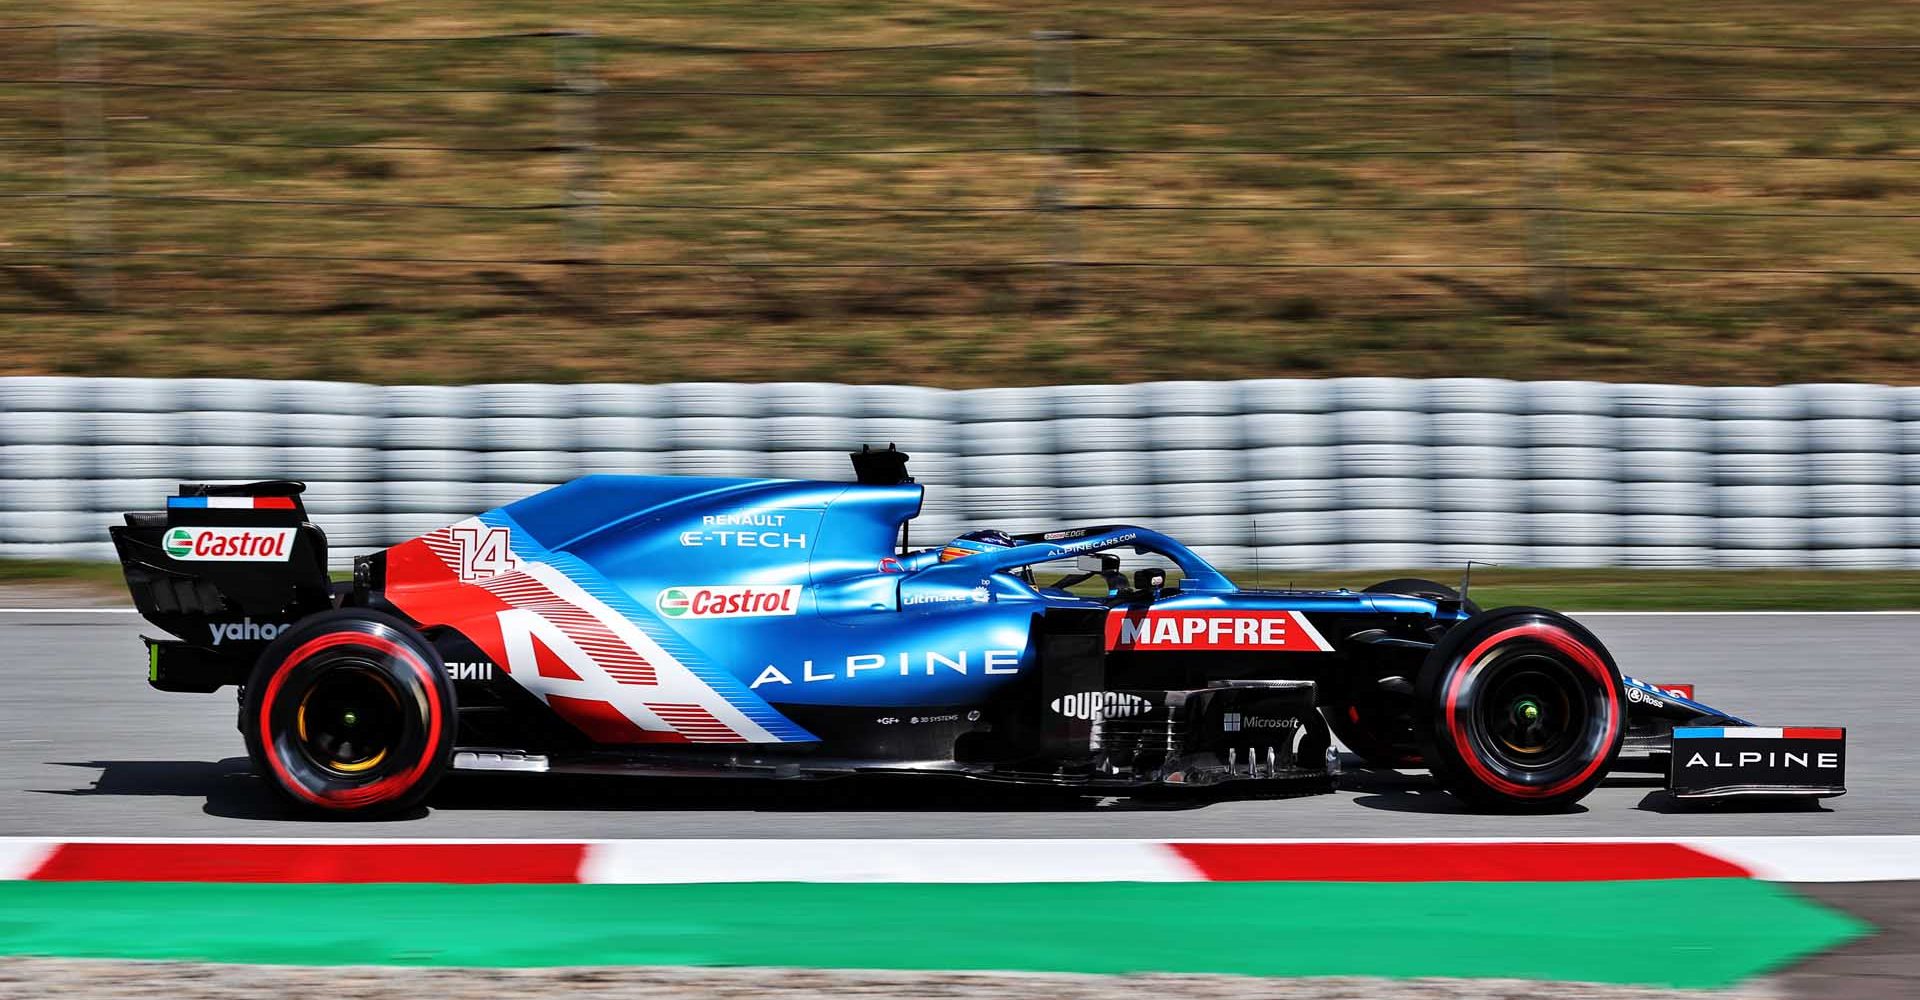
x,y
975,542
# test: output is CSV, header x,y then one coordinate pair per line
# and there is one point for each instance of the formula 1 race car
x,y
786,629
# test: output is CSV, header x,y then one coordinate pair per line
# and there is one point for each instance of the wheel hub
x,y
349,719
1534,712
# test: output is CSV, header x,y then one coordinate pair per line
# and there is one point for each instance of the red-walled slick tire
x,y
350,713
1526,710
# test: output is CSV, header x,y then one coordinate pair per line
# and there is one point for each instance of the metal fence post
x,y
83,133
577,82
1531,78
1057,129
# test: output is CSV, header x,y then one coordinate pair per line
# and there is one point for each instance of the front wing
x,y
1720,761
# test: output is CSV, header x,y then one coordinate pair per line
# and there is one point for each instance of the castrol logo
x,y
229,544
728,602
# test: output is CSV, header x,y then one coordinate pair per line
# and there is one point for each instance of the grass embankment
x,y
1577,590
31,571
1421,183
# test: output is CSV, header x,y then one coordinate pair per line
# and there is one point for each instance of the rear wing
x,y
225,567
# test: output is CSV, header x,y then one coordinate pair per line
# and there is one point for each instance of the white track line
x,y
21,856
68,611
664,861
1819,858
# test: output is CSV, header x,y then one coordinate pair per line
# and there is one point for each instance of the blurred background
x,y
1319,284
959,193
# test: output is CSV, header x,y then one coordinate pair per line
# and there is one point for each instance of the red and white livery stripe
x,y
673,683
696,723
596,640
595,668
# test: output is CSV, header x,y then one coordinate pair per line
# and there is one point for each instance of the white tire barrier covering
x,y
1291,473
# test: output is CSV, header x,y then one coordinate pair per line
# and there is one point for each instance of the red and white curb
x,y
1778,859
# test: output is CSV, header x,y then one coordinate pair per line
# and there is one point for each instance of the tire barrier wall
x,y
1282,474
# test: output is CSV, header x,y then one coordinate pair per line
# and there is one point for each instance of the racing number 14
x,y
484,553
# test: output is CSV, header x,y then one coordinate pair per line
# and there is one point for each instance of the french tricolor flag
x,y
233,503
1757,733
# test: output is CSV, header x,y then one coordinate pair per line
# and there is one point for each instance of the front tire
x,y
349,713
1525,710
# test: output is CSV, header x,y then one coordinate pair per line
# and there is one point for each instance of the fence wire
x,y
1088,150
1051,97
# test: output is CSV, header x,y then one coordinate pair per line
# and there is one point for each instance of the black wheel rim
x,y
349,719
1532,712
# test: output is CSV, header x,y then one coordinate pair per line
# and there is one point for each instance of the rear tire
x,y
1526,711
349,713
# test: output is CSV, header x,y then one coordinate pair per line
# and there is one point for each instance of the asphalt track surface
x,y
87,749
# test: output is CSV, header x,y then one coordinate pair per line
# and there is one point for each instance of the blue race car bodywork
x,y
789,628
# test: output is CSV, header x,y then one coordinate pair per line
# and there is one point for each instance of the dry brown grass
x,y
979,322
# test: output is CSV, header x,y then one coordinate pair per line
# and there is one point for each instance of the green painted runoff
x,y
1688,932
